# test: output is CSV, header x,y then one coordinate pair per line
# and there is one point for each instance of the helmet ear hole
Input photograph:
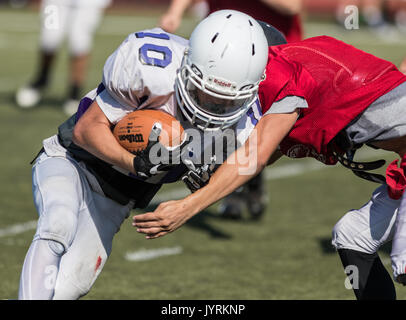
x,y
197,71
247,87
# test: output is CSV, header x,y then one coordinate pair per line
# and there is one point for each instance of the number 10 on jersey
x,y
146,49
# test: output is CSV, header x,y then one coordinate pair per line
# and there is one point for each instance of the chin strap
x,y
360,168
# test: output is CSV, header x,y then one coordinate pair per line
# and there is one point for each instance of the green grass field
x,y
287,255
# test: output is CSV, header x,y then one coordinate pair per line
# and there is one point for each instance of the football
x,y
133,130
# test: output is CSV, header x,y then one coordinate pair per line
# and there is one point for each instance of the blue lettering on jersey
x,y
145,59
163,36
147,47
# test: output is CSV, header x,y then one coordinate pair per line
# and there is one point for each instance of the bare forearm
x,y
105,147
93,133
222,183
288,7
261,144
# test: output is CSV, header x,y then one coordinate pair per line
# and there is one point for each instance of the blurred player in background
x,y
283,15
77,20
85,183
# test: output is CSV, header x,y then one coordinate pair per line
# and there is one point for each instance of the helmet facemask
x,y
204,104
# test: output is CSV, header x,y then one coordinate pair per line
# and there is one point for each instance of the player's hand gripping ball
x,y
140,131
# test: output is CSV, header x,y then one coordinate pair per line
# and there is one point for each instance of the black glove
x,y
147,163
197,178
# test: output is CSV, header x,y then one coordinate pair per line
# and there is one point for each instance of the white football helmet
x,y
221,69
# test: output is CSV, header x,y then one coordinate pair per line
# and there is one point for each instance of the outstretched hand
x,y
166,218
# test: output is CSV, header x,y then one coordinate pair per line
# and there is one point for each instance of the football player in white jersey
x,y
80,188
76,20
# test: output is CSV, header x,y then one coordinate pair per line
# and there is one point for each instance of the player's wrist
x,y
199,200
192,205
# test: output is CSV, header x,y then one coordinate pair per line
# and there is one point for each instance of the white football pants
x,y
60,18
374,224
74,234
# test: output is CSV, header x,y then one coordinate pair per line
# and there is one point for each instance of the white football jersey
x,y
141,73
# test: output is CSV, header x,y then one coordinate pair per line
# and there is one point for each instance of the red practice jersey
x,y
338,82
290,26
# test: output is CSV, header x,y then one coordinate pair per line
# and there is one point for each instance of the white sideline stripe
x,y
279,172
143,254
18,228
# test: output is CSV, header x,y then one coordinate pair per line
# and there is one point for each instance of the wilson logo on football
x,y
131,137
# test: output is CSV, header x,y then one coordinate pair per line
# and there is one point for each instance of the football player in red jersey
x,y
323,98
